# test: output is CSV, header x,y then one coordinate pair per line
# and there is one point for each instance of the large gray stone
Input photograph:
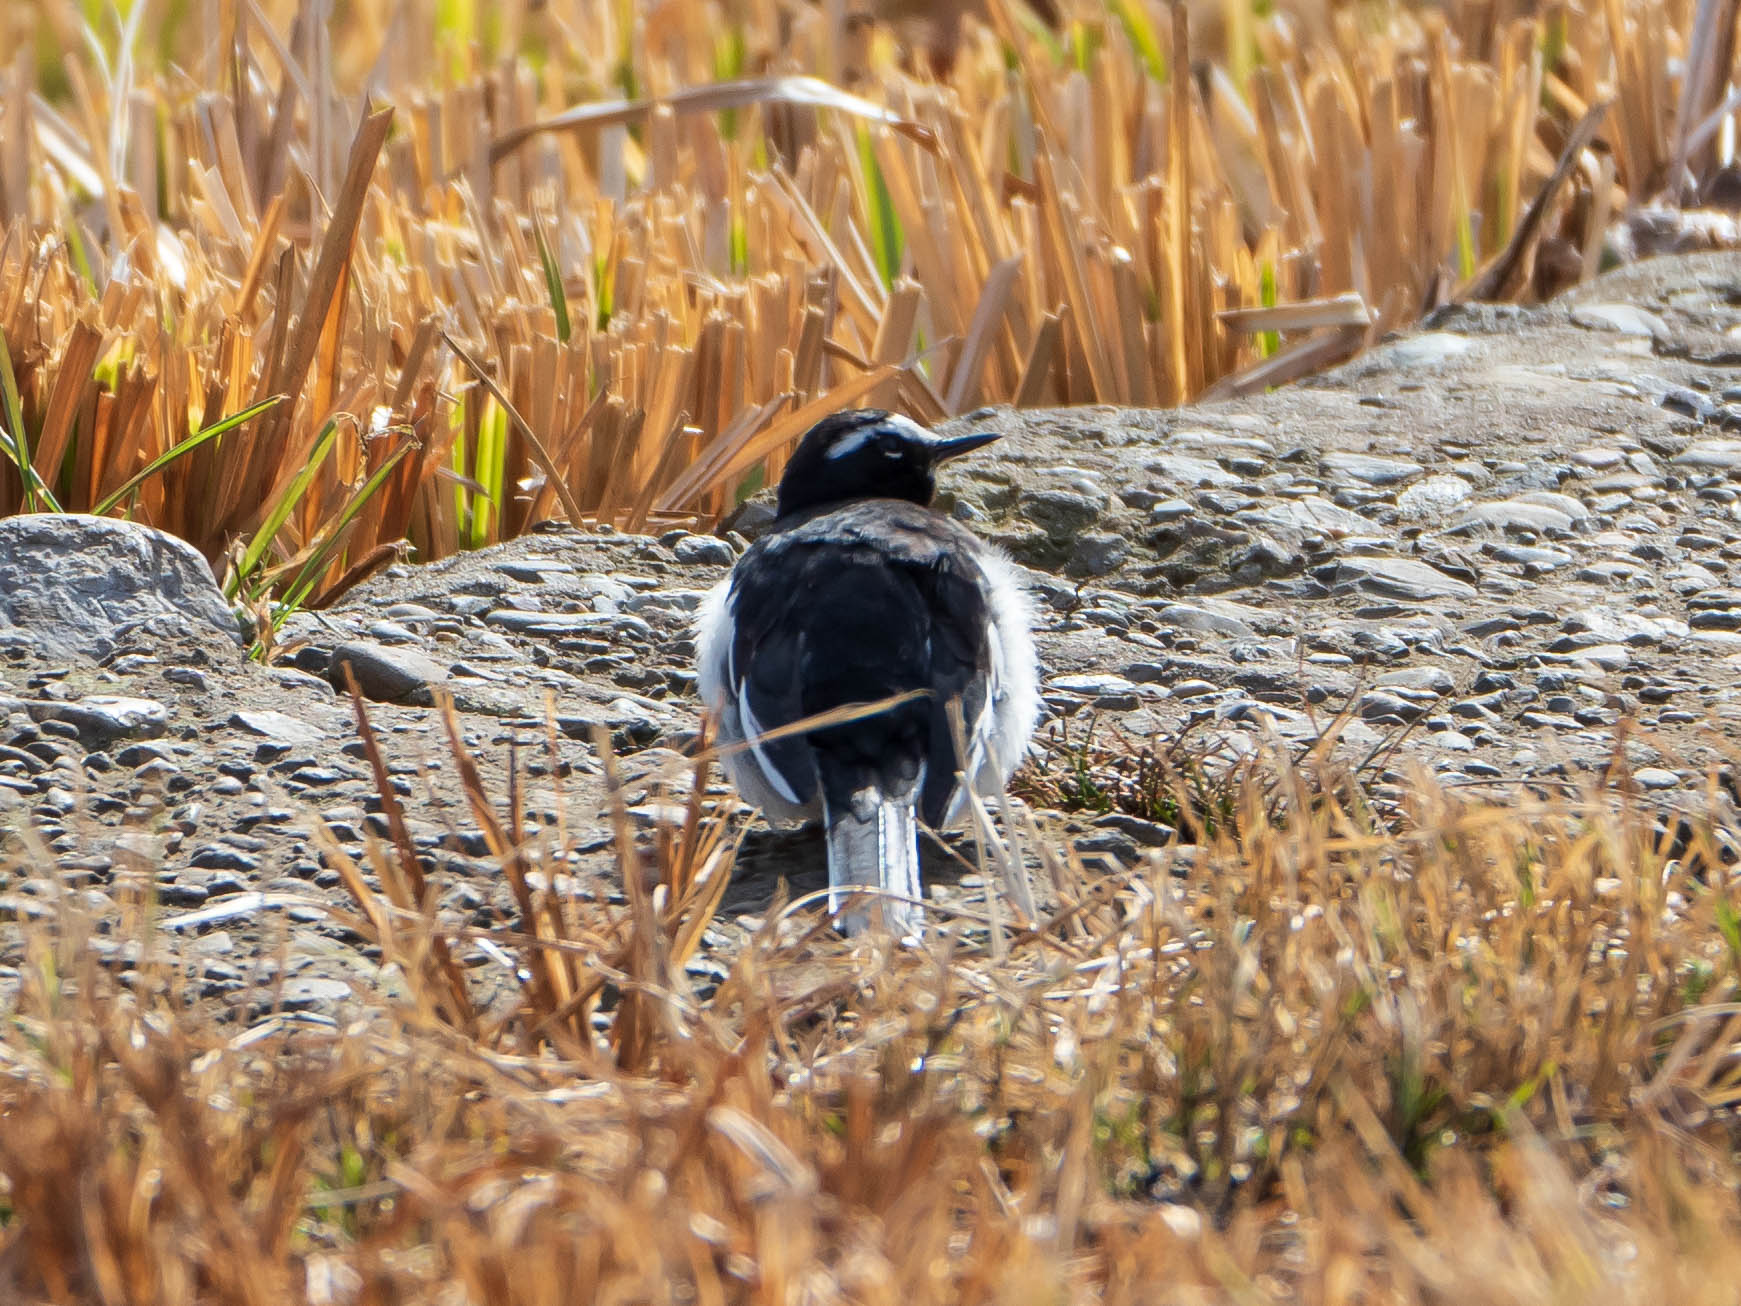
x,y
387,674
81,585
1394,577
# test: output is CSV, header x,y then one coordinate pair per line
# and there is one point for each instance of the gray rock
x,y
1221,444
1101,686
101,719
1627,319
1610,657
1656,777
1150,834
1599,460
1186,470
1429,349
279,727
1208,619
1370,469
390,675
551,625
1225,502
1618,626
1393,577
533,571
752,519
1688,403
1378,706
1312,513
1433,497
1263,557
80,585
306,992
1427,679
1513,515
705,550
1532,558
1062,514
1170,510
1097,553
1563,503
1711,455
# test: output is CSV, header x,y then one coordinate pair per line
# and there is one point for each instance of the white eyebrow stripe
x,y
894,422
852,444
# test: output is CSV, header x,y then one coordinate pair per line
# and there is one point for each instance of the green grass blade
x,y
311,570
553,282
730,59
1085,40
487,472
887,238
75,241
281,510
1135,20
36,493
1465,243
177,452
1242,48
1268,341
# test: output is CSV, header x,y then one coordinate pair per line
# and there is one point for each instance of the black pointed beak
x,y
943,449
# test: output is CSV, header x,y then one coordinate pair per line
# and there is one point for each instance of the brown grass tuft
x,y
1473,1053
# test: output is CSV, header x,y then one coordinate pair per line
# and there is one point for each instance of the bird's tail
x,y
873,842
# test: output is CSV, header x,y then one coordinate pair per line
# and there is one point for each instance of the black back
x,y
868,601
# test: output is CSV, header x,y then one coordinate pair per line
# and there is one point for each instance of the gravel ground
x,y
1514,532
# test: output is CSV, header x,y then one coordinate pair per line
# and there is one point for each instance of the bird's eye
x,y
890,446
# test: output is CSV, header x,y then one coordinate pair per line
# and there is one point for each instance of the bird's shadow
x,y
799,855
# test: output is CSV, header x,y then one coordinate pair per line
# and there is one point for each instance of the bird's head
x,y
865,453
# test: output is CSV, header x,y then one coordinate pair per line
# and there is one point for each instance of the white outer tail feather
x,y
879,851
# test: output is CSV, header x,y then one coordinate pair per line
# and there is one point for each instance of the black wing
x,y
865,603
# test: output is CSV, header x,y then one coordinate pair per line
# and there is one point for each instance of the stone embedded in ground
x,y
1097,553
1209,618
389,674
102,719
1427,679
1184,470
1710,455
1656,777
707,550
1370,469
1394,577
279,727
82,585
1512,515
1062,514
1433,497
1626,319
1312,513
1428,349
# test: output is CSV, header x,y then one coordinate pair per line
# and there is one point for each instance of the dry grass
x,y
1480,1054
206,206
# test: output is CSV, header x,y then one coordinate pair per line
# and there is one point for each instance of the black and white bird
x,y
858,594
